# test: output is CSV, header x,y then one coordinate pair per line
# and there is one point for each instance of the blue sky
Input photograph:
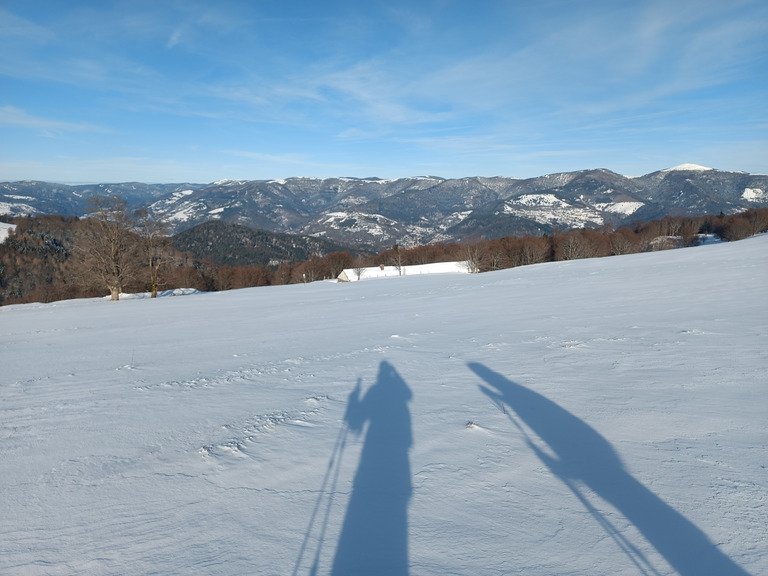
x,y
196,91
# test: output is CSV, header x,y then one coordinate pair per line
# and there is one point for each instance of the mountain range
x,y
418,210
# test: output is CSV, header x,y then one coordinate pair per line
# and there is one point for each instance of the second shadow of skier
x,y
374,536
582,455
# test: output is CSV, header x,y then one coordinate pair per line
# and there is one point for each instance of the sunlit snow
x,y
540,200
228,182
549,209
694,167
358,222
186,212
374,272
753,194
15,209
592,417
625,208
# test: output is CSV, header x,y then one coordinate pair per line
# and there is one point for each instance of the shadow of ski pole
x,y
334,463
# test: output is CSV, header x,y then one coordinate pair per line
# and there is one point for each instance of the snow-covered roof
x,y
351,274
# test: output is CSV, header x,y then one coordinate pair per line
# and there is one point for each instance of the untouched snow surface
x,y
594,417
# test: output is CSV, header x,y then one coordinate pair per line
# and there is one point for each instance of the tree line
x,y
114,250
483,255
111,251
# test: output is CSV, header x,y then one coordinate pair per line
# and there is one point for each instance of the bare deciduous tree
x,y
153,242
359,267
108,246
620,242
397,259
671,226
283,273
533,250
496,259
471,256
574,245
689,231
758,219
337,262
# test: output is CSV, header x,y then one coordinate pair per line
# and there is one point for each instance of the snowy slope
x,y
593,417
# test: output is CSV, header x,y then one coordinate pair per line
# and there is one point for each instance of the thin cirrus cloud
x,y
15,116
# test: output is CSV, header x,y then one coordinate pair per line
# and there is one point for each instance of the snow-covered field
x,y
594,417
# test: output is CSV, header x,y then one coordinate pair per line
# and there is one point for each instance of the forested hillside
x,y
237,245
414,211
49,258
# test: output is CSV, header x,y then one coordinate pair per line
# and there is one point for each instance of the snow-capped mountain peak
x,y
688,167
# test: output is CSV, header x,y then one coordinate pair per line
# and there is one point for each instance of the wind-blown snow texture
x,y
593,417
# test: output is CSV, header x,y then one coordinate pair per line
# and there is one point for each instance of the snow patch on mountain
x,y
454,218
187,212
373,224
625,208
541,200
549,209
754,194
14,209
368,180
560,179
688,167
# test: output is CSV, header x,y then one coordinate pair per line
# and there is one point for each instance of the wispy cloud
x,y
18,28
270,158
174,39
18,117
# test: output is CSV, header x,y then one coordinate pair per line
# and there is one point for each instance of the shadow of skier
x,y
583,455
374,536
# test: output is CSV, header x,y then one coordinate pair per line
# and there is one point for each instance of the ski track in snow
x,y
206,434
